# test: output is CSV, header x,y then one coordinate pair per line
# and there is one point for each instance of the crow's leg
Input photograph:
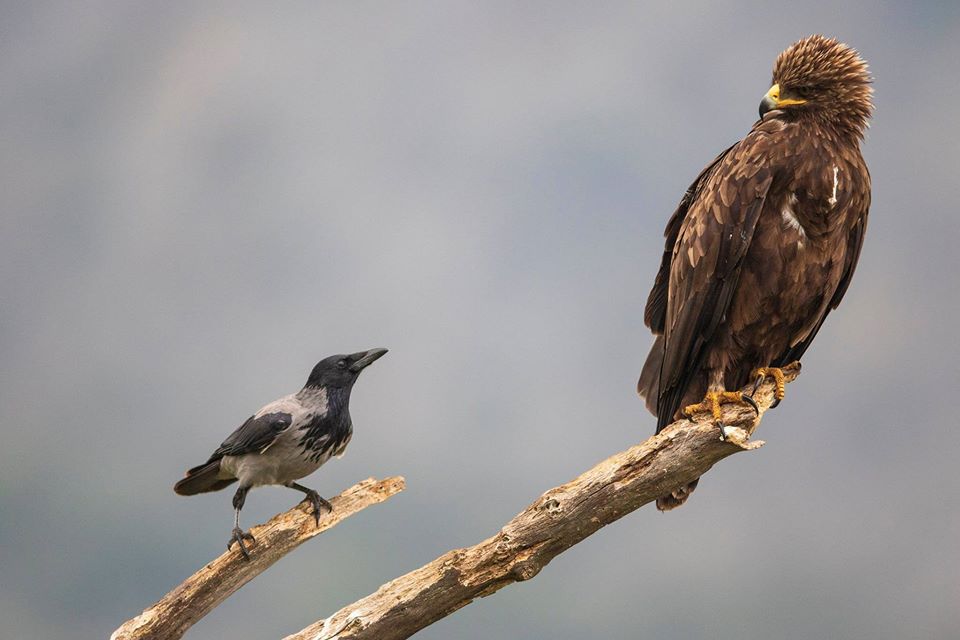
x,y
238,534
314,498
777,374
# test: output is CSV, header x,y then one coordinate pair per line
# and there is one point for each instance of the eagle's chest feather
x,y
793,264
813,206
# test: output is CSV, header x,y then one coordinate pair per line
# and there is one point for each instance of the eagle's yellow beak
x,y
772,100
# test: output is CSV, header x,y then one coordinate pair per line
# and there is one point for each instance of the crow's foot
x,y
239,535
712,403
319,504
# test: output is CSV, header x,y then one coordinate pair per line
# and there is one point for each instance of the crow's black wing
x,y
254,435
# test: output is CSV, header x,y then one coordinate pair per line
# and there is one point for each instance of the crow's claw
x,y
239,535
319,504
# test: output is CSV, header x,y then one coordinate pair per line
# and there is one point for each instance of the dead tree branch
x,y
559,519
200,593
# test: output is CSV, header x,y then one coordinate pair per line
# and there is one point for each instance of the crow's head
x,y
342,370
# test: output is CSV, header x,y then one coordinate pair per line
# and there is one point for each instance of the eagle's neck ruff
x,y
840,125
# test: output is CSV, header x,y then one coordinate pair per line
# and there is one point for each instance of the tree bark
x,y
200,593
559,519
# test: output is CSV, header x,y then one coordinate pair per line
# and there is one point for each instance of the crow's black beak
x,y
365,359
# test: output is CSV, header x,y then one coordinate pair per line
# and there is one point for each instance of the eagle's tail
x,y
676,497
649,384
649,389
202,479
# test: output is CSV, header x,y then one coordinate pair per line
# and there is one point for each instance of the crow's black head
x,y
342,370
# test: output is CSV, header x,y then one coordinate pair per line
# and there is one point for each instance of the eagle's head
x,y
823,78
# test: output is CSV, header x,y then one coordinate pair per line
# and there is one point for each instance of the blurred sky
x,y
201,200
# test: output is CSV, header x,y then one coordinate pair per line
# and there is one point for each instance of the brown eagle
x,y
764,242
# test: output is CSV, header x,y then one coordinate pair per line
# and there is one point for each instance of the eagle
x,y
764,243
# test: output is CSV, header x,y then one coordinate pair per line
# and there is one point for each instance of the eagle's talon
x,y
780,390
756,384
712,403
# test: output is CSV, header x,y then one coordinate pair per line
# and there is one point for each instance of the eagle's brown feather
x,y
764,242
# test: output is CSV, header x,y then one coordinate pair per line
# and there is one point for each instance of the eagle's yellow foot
x,y
712,403
777,374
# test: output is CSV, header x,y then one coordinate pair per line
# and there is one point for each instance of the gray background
x,y
199,201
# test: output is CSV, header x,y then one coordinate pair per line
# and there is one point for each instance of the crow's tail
x,y
202,479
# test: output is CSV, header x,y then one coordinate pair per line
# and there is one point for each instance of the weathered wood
x,y
200,593
559,519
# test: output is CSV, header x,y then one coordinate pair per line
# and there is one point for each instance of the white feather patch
x,y
832,200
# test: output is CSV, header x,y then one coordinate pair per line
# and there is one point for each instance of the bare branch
x,y
200,593
559,519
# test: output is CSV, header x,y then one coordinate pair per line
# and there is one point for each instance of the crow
x,y
285,440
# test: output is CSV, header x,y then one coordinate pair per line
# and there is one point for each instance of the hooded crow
x,y
286,440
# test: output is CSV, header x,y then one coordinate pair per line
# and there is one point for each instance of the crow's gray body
x,y
285,458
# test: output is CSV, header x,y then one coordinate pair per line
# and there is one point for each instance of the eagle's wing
x,y
706,259
254,435
655,313
851,257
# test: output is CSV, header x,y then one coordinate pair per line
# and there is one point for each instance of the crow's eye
x,y
342,364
